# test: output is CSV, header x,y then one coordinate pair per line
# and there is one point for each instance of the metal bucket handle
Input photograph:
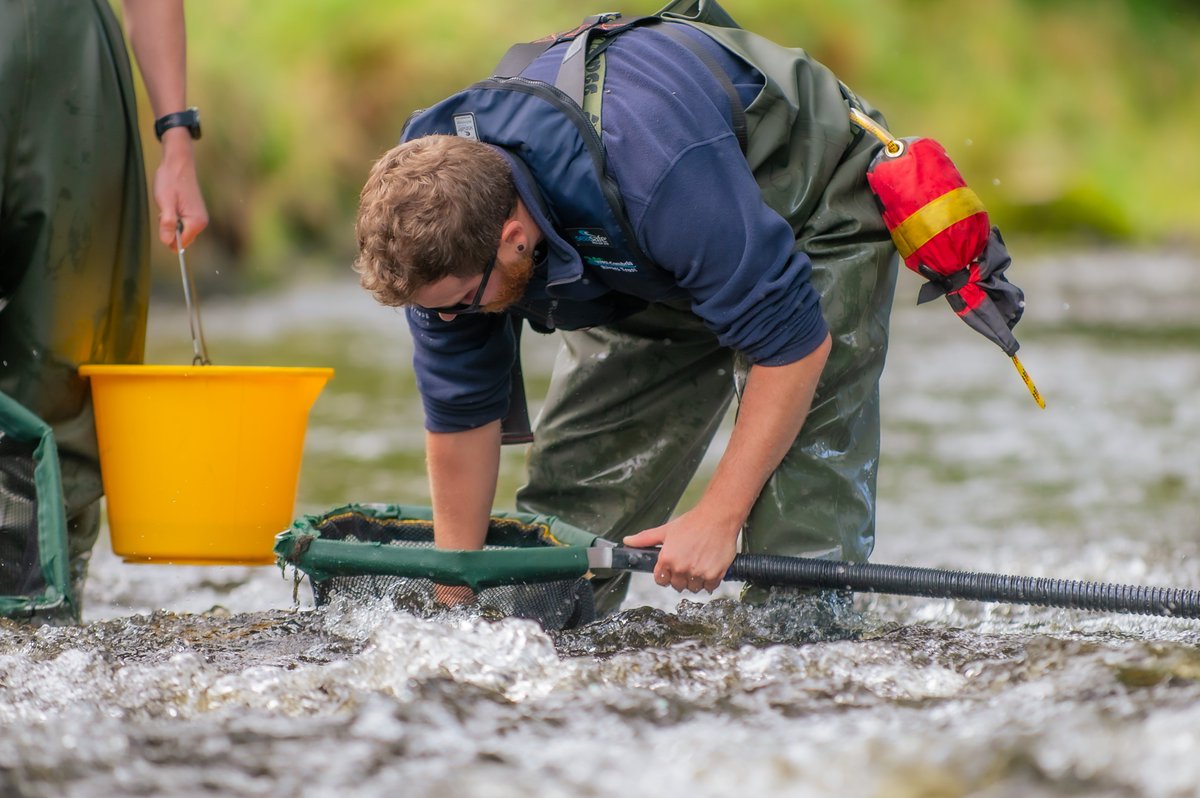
x,y
199,347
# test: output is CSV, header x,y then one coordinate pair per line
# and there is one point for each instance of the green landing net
x,y
33,527
531,566
539,567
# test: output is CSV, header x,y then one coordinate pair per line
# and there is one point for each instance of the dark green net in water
x,y
531,566
33,536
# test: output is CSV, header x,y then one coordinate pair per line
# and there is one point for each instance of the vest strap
x,y
520,56
571,78
571,73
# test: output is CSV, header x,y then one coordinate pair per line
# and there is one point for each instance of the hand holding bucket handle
x,y
199,347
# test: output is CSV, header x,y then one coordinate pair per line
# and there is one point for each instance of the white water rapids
x,y
190,681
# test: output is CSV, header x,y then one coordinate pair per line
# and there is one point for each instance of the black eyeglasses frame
x,y
464,308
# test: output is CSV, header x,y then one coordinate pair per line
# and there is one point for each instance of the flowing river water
x,y
190,681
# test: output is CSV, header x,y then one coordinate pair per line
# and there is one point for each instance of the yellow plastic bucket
x,y
200,463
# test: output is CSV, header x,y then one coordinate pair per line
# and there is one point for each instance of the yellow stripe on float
x,y
934,217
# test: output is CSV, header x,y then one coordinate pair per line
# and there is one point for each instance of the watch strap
x,y
189,119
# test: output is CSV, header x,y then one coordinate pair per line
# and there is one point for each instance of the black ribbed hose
x,y
776,570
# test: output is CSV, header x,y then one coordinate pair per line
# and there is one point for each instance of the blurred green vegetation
x,y
1073,119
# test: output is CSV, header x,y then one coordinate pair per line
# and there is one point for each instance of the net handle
x,y
322,559
778,570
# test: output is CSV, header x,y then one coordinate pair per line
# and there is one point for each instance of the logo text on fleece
x,y
589,237
611,265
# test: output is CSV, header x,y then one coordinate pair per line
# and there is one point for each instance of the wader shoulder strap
x,y
571,78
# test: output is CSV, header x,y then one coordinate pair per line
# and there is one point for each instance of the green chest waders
x,y
74,243
633,406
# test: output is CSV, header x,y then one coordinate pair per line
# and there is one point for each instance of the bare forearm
x,y
773,408
698,546
156,31
463,467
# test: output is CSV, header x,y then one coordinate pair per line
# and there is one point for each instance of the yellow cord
x,y
1037,397
890,143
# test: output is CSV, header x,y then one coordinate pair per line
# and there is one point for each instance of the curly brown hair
x,y
431,208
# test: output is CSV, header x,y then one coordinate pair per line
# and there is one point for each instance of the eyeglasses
x,y
472,306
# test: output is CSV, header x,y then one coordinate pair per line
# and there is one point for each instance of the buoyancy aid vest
x,y
794,135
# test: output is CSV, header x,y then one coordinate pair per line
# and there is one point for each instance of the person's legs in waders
x,y
632,407
820,502
74,246
631,410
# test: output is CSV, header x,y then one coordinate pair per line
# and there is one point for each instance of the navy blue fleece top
x,y
696,211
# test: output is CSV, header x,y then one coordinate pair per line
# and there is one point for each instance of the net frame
x,y
531,566
49,517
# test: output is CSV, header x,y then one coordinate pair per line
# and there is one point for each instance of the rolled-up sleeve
x,y
462,368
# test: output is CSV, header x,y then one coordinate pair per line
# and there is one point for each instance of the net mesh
x,y
20,571
33,551
558,604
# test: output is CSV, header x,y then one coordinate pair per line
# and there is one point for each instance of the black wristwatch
x,y
189,119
